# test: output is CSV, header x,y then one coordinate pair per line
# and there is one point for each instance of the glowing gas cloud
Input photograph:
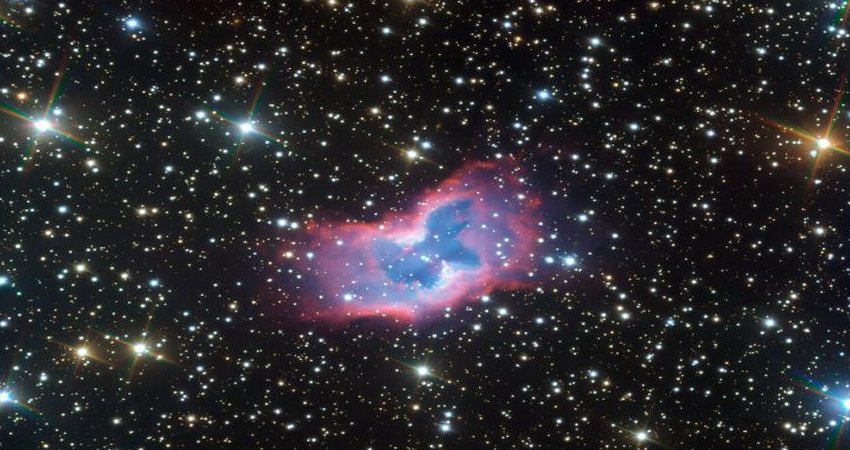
x,y
472,234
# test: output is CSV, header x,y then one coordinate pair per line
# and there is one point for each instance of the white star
x,y
140,348
42,125
246,127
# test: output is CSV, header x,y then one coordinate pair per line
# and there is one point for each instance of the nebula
x,y
471,235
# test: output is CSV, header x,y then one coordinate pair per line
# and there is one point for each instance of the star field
x,y
415,224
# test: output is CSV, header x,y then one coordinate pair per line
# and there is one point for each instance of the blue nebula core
x,y
420,265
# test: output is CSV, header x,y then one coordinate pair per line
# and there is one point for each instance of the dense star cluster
x,y
424,224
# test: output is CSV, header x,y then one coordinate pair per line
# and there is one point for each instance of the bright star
x,y
132,23
5,397
42,125
641,436
846,403
140,348
823,143
246,127
423,371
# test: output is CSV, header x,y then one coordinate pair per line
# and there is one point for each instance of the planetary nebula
x,y
472,234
